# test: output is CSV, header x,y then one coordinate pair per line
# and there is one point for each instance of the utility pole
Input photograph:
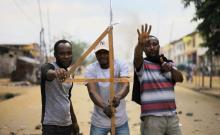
x,y
43,45
49,32
211,68
42,37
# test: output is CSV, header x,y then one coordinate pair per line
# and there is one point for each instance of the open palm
x,y
144,34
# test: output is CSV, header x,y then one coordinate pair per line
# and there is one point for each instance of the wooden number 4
x,y
112,80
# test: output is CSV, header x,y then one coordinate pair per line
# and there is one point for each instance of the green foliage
x,y
78,49
208,13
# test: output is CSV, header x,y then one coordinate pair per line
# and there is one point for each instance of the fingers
x,y
149,30
145,28
138,32
144,34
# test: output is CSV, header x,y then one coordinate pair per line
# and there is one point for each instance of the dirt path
x,y
22,114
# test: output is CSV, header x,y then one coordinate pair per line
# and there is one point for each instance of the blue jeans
x,y
121,130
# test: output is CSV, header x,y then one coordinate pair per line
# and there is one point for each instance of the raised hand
x,y
144,34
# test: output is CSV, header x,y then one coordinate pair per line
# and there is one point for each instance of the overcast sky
x,y
85,20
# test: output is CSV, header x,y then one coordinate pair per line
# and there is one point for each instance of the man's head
x,y
152,47
63,53
102,55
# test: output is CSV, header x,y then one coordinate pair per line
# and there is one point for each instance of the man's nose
x,y
66,55
151,46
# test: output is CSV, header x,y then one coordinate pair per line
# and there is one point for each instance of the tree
x,y
78,49
208,12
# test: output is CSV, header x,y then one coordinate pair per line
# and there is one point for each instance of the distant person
x,y
58,116
99,93
153,89
189,73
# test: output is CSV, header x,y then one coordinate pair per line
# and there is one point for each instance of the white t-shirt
x,y
94,70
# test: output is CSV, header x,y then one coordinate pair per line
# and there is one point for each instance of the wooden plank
x,y
87,52
98,80
112,92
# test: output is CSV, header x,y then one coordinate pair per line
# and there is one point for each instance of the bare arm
x,y
51,74
138,56
60,73
74,120
142,40
94,96
121,94
97,100
124,91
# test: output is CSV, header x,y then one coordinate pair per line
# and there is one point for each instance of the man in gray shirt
x,y
58,117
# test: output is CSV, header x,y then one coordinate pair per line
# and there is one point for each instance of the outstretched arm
x,y
142,40
60,73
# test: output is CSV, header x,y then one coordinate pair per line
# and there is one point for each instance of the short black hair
x,y
58,42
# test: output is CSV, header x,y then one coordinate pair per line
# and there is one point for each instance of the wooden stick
x,y
88,51
111,64
112,92
98,80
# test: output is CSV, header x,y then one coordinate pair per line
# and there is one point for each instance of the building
x,y
12,54
187,51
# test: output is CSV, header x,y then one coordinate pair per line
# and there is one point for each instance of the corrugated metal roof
x,y
11,44
29,60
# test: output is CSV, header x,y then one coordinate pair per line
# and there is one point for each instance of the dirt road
x,y
21,114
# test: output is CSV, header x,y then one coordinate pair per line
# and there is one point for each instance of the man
x,y
99,93
154,87
58,117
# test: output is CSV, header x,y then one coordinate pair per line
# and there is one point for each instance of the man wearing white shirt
x,y
99,93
